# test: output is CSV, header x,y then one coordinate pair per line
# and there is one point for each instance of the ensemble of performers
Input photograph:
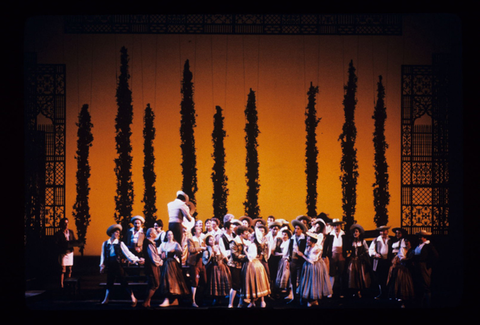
x,y
241,262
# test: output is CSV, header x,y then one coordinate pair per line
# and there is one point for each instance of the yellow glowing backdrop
x,y
278,68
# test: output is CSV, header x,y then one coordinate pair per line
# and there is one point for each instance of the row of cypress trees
x,y
123,163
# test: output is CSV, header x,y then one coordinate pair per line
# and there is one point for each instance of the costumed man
x,y
238,257
424,260
380,251
274,241
177,211
65,241
158,226
135,236
153,261
196,247
297,244
334,248
113,250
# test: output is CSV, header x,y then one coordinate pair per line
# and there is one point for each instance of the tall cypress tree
x,y
349,164
311,152
81,208
219,178
149,177
381,195
123,163
187,111
251,129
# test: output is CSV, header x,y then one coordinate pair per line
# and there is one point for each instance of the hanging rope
x,y
373,72
141,70
155,79
211,61
258,68
91,77
304,74
243,61
343,61
318,59
78,80
226,71
116,66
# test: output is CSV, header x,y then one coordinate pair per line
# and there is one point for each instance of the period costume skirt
x,y
314,281
400,283
283,274
358,274
256,282
219,279
172,281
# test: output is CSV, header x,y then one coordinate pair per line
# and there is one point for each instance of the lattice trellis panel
x,y
274,24
424,152
45,186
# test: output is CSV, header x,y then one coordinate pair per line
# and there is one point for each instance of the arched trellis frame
x,y
424,148
45,94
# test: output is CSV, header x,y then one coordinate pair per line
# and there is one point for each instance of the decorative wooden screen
x,y
273,24
44,145
424,148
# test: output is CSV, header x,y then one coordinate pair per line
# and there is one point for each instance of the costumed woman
x,y
219,279
172,282
400,281
255,276
314,280
283,273
359,267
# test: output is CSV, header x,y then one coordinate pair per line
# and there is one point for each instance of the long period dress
x,y
359,267
399,281
314,280
172,281
219,279
256,282
283,273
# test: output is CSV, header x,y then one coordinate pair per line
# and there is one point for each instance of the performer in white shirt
x,y
113,250
335,250
381,251
177,210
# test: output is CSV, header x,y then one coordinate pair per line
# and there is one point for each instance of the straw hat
x,y
113,228
275,223
283,222
336,222
383,228
313,235
296,222
246,218
302,217
423,233
357,226
254,221
142,219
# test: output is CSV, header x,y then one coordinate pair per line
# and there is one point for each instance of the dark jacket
x,y
328,246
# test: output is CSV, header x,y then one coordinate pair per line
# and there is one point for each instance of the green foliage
x,y
81,208
311,152
123,162
187,125
219,178
149,195
348,163
251,129
381,195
